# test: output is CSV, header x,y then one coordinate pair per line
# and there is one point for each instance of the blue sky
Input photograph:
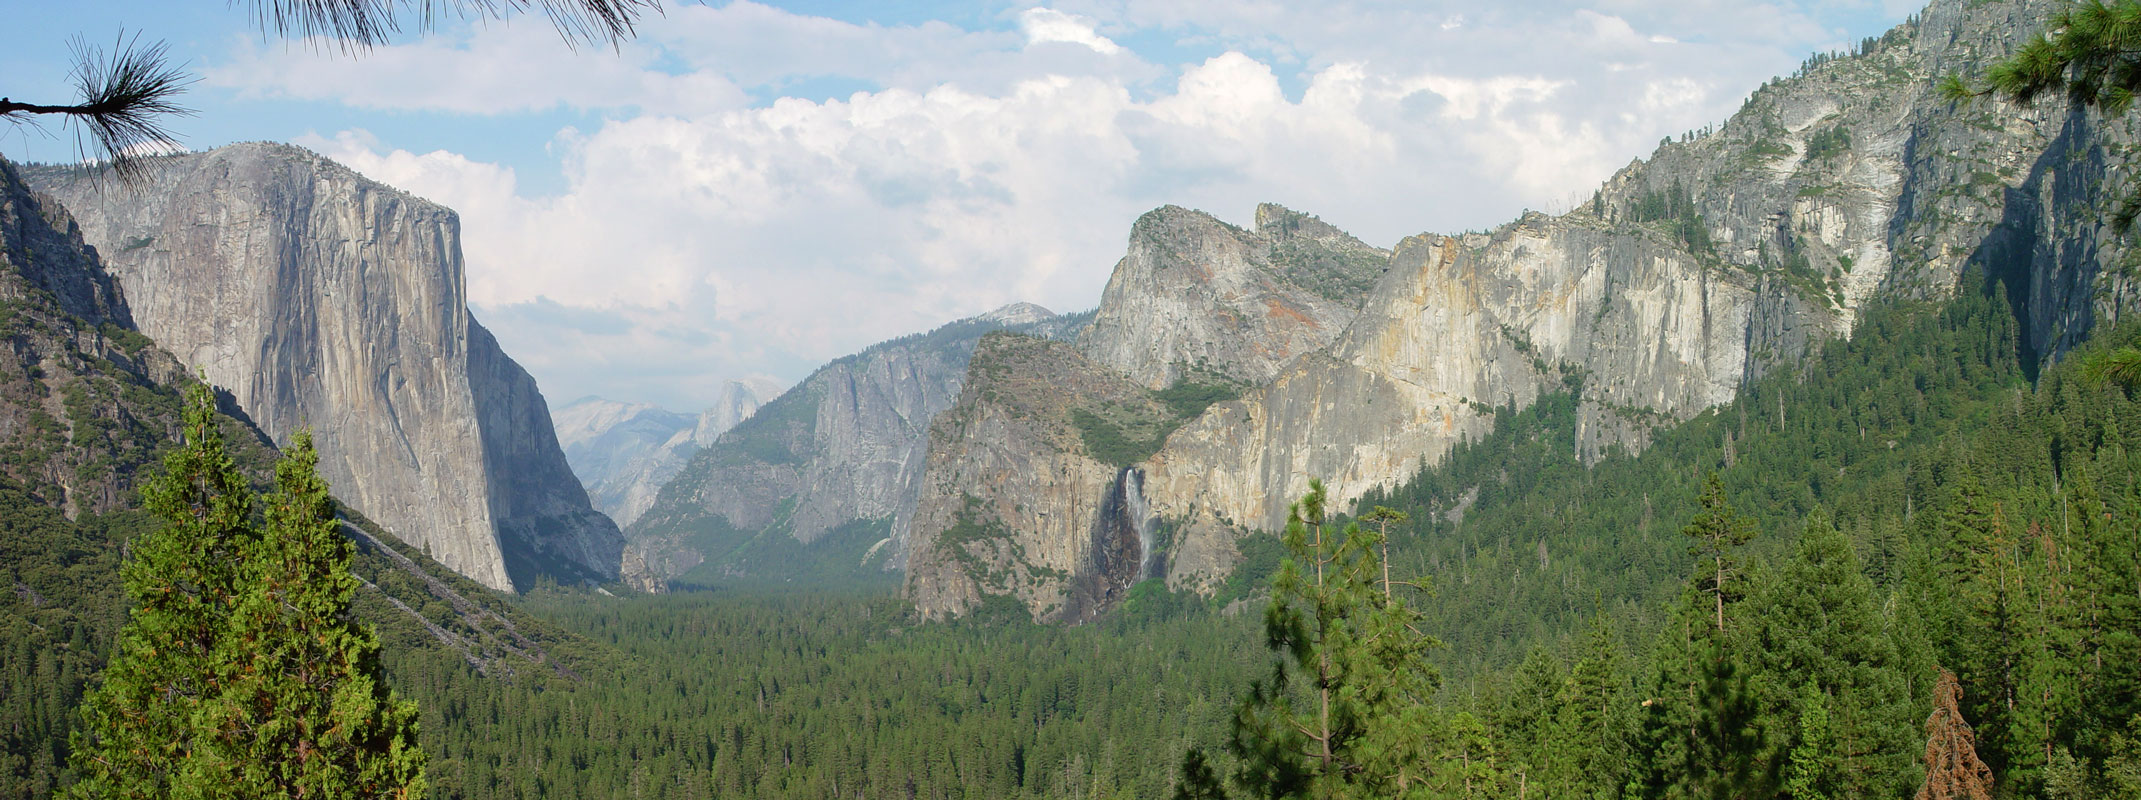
x,y
752,189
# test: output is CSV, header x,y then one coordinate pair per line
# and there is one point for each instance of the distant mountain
x,y
821,479
318,298
624,452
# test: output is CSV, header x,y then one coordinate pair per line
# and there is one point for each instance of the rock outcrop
x,y
317,298
1728,253
843,447
1030,489
84,398
1198,299
624,452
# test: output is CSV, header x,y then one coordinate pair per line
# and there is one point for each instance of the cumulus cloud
x,y
724,230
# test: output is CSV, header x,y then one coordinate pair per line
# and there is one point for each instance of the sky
x,y
752,189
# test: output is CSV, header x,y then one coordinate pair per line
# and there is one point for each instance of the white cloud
x,y
1049,25
708,235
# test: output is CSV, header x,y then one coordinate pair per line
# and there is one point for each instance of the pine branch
x,y
364,24
2122,366
124,102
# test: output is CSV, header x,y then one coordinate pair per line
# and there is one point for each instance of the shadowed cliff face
x,y
1019,497
844,446
320,299
83,400
1729,253
1120,551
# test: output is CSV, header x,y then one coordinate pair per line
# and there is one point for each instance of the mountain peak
x,y
1021,313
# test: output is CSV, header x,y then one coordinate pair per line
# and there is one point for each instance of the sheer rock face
x,y
318,298
624,452
1454,331
844,445
1729,253
1196,297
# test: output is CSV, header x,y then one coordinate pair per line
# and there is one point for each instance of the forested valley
x,y
1915,505
1911,505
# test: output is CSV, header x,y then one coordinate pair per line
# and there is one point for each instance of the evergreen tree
x,y
2121,366
1345,712
173,657
310,714
1470,763
240,673
1595,715
1527,718
1717,532
1729,755
1702,733
1818,638
1667,720
1814,773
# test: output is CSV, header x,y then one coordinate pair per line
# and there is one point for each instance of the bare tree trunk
x,y
1720,592
1386,561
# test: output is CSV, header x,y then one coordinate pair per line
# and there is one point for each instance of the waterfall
x,y
1133,488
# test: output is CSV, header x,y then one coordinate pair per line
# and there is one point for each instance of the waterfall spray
x,y
1133,487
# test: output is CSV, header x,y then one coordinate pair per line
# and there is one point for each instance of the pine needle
x,y
124,102
355,25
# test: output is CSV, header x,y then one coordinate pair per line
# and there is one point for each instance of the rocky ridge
x,y
318,298
1728,253
1196,298
84,403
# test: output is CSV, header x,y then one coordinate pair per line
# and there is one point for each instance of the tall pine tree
x,y
140,734
309,714
1822,649
240,672
1345,712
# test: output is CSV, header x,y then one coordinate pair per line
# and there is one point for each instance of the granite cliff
x,y
1030,488
1727,253
1016,496
624,452
1196,298
830,467
318,298
88,408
